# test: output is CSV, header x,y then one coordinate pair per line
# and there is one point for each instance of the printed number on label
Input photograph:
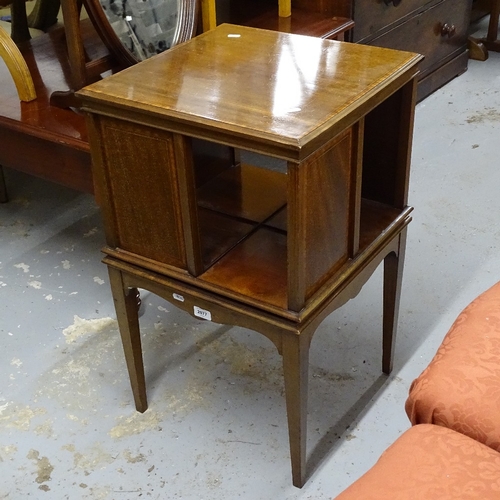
x,y
178,297
202,313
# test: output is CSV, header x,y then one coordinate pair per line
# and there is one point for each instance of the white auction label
x,y
202,313
178,297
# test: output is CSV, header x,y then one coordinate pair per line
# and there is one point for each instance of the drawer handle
x,y
394,2
448,30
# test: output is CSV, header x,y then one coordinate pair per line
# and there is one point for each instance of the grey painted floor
x,y
216,428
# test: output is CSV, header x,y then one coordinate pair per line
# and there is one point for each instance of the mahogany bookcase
x,y
275,246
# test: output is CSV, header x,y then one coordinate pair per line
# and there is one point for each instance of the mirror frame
x,y
185,29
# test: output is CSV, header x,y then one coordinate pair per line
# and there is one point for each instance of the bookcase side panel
x,y
143,188
319,218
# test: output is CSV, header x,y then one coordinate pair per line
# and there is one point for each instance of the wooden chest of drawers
x,y
436,29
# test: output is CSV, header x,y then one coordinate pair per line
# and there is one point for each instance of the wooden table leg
x,y
3,188
284,8
296,371
19,22
492,35
208,15
393,277
127,314
479,47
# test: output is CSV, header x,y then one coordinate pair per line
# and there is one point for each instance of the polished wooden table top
x,y
236,81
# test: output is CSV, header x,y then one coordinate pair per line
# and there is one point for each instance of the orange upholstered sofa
x,y
453,449
460,389
430,462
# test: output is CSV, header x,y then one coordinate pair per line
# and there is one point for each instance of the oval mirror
x,y
135,30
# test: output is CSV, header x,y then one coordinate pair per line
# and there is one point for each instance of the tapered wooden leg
x,y
296,371
393,277
126,307
3,188
19,22
493,25
491,41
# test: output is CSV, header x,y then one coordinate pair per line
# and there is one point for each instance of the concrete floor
x,y
216,426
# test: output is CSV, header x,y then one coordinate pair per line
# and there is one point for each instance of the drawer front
x,y
374,16
439,33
